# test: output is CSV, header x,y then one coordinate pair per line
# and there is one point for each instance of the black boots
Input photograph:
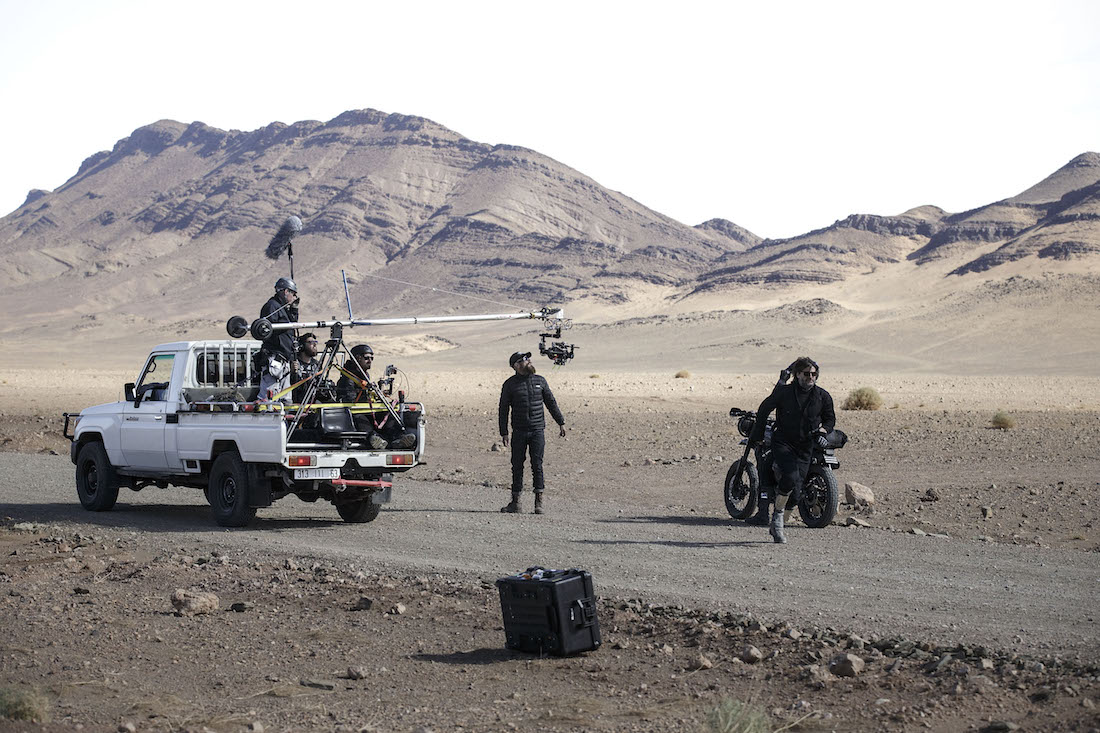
x,y
513,506
760,519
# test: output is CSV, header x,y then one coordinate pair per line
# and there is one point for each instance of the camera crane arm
x,y
262,328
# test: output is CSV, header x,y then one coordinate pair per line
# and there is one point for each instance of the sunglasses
x,y
808,374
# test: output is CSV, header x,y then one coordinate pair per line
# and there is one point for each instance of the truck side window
x,y
155,378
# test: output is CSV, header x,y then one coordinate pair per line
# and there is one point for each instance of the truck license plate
x,y
316,473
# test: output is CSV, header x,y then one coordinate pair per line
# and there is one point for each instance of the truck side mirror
x,y
128,388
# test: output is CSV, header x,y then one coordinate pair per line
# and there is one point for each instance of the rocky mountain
x,y
1058,219
392,195
164,235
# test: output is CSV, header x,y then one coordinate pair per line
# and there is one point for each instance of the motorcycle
x,y
743,491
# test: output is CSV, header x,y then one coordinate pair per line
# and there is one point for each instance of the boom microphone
x,y
282,238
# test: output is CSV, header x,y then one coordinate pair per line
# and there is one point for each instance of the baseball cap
x,y
518,356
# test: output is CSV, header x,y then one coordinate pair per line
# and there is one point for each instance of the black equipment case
x,y
549,611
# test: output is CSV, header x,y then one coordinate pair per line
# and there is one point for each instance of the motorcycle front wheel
x,y
817,505
741,498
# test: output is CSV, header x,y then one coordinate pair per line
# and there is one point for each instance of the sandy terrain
x,y
639,477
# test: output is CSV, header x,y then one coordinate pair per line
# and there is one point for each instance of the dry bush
x,y
24,705
864,398
593,376
683,374
734,716
1003,421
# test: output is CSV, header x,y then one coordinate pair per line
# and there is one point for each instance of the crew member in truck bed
x,y
277,353
307,365
384,432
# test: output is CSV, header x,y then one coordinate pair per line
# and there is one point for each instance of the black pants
x,y
522,442
789,466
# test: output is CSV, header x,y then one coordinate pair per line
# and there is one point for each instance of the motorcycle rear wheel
x,y
741,499
817,505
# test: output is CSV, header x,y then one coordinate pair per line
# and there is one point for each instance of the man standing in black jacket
x,y
803,417
525,394
277,353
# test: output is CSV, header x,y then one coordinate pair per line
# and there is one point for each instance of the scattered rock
x,y
289,564
751,655
702,662
495,448
192,603
317,684
931,495
126,727
398,609
846,665
357,673
918,532
256,727
987,512
855,522
858,494
363,604
999,726
242,606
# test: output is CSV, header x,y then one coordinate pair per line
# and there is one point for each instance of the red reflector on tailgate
x,y
399,459
297,461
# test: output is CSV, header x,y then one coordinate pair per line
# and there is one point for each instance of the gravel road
x,y
1034,600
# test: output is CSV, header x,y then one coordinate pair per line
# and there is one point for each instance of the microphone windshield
x,y
282,238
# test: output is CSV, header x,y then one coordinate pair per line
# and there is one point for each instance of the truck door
x,y
143,426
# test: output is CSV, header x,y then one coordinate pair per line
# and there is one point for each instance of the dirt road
x,y
1039,601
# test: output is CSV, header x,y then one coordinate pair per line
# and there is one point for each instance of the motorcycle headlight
x,y
745,425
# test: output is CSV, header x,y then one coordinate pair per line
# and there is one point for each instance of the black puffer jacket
x,y
798,415
525,395
279,342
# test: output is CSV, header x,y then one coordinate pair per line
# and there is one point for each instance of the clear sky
x,y
781,117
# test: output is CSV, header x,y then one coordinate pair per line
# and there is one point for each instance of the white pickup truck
x,y
191,419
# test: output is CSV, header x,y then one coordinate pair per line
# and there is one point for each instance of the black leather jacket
x,y
525,395
279,342
797,415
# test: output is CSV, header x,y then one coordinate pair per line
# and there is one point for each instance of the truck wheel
x,y
741,499
817,505
96,480
228,491
358,512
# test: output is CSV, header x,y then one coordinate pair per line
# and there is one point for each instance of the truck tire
x,y
96,481
817,505
741,499
228,491
358,512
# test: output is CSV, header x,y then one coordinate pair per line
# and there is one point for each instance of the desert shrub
x,y
683,374
24,705
593,376
864,398
734,716
1003,421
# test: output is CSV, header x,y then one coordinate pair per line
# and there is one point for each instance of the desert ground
x,y
969,597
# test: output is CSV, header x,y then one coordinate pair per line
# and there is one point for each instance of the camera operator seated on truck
x,y
305,367
354,387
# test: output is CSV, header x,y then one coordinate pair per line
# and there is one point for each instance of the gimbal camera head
x,y
558,352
